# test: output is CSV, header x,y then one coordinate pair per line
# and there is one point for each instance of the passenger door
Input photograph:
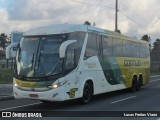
x,y
71,89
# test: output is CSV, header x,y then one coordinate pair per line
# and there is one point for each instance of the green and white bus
x,y
68,61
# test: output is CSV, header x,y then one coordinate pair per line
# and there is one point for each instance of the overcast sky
x,y
136,17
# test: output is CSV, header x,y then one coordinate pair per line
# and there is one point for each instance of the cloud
x,y
143,15
26,10
54,11
4,20
153,27
21,15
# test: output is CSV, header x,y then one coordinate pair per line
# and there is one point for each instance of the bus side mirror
x,y
63,47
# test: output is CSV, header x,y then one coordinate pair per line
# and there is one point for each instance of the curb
x,y
2,98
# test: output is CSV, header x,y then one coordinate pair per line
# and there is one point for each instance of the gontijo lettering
x,y
128,63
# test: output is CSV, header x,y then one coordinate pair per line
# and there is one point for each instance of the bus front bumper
x,y
30,93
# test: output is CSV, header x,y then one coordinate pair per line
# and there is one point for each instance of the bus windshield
x,y
39,56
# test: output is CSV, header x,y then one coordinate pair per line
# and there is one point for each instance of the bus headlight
x,y
56,85
14,83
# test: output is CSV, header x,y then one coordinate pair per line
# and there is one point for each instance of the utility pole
x,y
116,16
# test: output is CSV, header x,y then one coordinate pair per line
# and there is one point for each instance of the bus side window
x,y
99,44
80,37
71,57
142,51
135,48
147,49
127,51
91,47
117,47
107,46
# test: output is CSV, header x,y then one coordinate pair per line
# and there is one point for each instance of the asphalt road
x,y
146,100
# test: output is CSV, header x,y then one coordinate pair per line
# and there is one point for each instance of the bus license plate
x,y
33,95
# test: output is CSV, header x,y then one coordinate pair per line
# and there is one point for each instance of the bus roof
x,y
67,28
56,29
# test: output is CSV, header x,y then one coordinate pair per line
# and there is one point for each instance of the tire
x,y
139,84
134,85
87,94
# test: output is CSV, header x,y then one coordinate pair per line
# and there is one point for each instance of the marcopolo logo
x,y
129,63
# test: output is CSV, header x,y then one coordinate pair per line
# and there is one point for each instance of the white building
x,y
12,48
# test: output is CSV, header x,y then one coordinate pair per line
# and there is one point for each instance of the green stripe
x,y
111,70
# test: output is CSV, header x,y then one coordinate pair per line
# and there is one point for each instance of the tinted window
x,y
127,51
70,58
135,49
117,47
99,46
107,45
91,47
143,50
80,37
147,49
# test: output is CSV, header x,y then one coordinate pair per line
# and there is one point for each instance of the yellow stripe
x,y
26,83
130,70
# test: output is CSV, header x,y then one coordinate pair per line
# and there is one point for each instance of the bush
x,y
6,76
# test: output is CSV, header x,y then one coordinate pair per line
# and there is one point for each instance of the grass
x,y
6,76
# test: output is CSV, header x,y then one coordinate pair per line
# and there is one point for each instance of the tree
x,y
146,38
155,55
3,40
87,23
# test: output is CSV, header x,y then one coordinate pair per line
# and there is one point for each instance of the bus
x,y
70,61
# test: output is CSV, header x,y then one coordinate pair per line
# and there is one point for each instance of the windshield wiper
x,y
32,61
39,59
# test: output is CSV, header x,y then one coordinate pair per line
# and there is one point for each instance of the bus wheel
x,y
139,84
87,94
134,85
